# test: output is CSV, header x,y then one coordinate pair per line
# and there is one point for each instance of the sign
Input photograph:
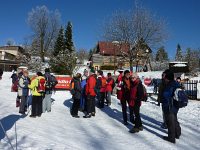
x,y
198,90
63,82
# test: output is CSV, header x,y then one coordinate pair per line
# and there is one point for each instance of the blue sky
x,y
182,17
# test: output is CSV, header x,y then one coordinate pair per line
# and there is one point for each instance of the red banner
x,y
63,82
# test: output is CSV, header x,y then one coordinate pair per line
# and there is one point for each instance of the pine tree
x,y
69,45
59,44
64,59
178,56
188,55
161,55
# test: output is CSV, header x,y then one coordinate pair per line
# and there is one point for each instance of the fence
x,y
191,88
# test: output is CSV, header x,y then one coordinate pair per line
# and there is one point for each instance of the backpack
x,y
41,85
180,98
15,86
144,97
50,82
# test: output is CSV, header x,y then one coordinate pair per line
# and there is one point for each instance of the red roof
x,y
109,48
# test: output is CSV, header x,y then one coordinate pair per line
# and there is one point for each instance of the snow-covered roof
x,y
178,62
180,65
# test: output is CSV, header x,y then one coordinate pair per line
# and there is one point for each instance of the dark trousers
x,y
136,110
23,104
124,111
75,106
37,105
102,99
174,129
90,104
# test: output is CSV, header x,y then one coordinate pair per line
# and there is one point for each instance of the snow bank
x,y
57,130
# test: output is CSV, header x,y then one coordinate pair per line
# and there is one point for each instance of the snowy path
x,y
57,130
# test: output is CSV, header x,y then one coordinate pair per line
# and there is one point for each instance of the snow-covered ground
x,y
57,130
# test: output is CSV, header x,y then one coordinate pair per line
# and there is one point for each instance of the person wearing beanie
x,y
170,111
76,94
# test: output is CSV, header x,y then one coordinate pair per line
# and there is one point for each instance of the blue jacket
x,y
167,95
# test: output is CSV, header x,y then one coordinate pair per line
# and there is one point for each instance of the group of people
x,y
130,92
88,89
39,89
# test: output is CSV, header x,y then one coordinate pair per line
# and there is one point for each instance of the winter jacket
x,y
125,89
76,90
91,85
23,86
167,97
102,88
119,87
136,92
109,85
33,86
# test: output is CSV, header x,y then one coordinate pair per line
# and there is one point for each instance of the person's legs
x,y
132,120
22,105
48,102
34,103
138,122
177,127
124,109
108,98
75,107
93,111
39,112
170,120
44,103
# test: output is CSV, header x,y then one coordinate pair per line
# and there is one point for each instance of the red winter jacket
x,y
90,86
119,86
109,84
136,92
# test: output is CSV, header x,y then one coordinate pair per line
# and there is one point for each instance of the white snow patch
x,y
57,130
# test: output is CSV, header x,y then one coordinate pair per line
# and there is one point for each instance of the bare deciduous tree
x,y
82,55
140,28
45,25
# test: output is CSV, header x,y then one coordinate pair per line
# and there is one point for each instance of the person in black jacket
x,y
169,109
76,94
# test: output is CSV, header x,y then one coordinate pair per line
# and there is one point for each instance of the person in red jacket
x,y
136,93
109,88
101,81
126,97
91,94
